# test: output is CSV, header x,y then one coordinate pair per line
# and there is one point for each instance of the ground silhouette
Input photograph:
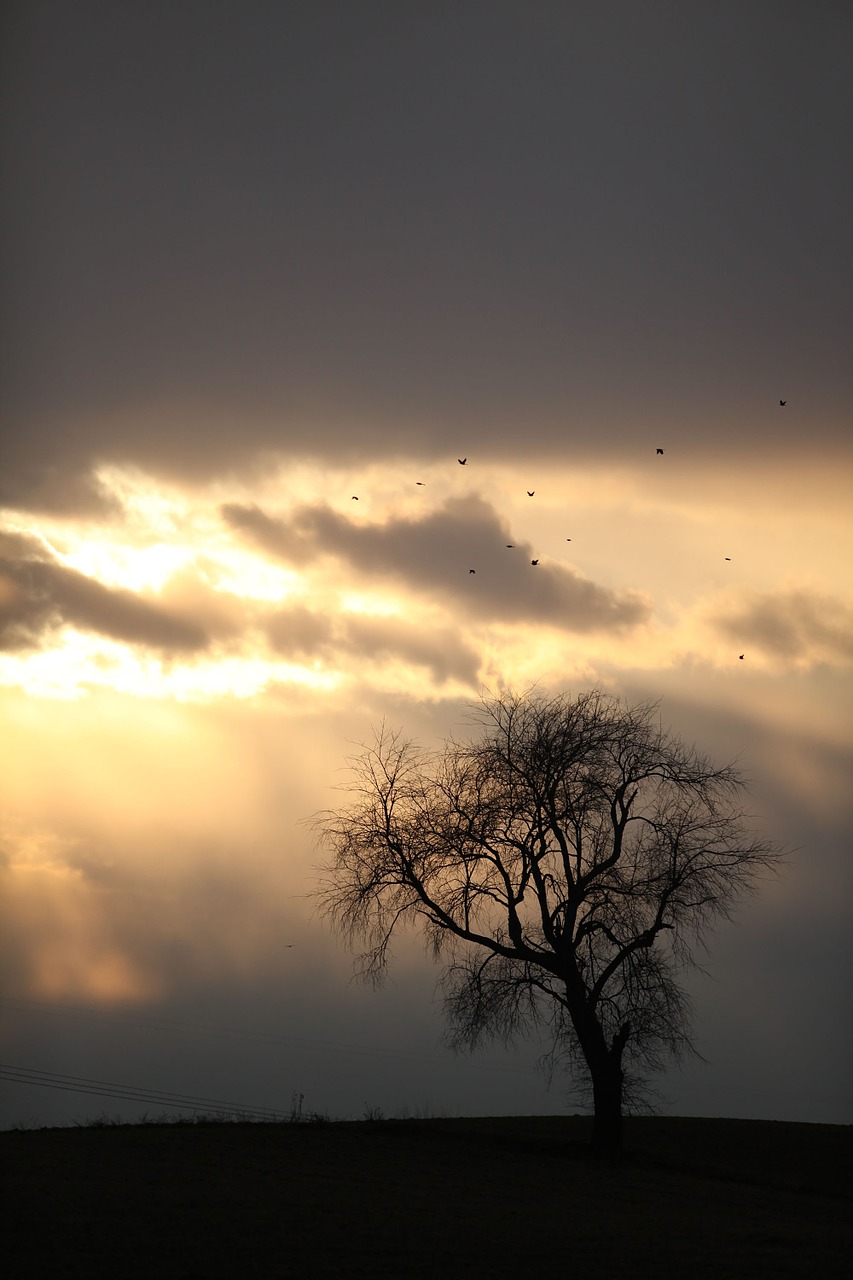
x,y
457,1197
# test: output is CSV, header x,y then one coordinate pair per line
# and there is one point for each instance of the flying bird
x,y
783,401
510,544
462,461
354,498
534,561
530,492
419,482
658,450
728,557
472,570
740,655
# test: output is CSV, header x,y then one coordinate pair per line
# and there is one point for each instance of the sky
x,y
269,272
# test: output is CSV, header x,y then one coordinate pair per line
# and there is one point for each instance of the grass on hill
x,y
715,1199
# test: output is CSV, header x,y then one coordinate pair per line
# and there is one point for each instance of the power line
x,y
18,1004
14,1003
132,1093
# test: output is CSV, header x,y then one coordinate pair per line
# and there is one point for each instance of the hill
x,y
711,1199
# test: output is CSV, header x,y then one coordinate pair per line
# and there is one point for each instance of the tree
x,y
566,863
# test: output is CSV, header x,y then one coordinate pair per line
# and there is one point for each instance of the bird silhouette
x,y
509,545
658,450
728,557
534,561
462,461
530,492
740,655
354,498
783,401
419,482
472,570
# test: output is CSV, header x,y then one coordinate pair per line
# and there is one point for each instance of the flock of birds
x,y
531,492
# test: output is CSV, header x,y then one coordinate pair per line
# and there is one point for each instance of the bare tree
x,y
565,863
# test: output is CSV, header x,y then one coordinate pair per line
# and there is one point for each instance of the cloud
x,y
299,632
443,652
391,237
795,626
71,490
282,540
38,594
116,929
436,554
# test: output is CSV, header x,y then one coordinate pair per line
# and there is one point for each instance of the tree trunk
x,y
604,1063
607,1100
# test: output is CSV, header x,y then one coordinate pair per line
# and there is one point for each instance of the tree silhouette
x,y
565,863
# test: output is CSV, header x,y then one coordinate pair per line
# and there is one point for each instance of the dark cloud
x,y
297,632
300,633
161,911
439,649
793,625
38,594
436,554
328,232
63,491
286,541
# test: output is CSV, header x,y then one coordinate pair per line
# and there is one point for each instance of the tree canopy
x,y
565,863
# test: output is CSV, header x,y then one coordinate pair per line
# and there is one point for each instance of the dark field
x,y
445,1198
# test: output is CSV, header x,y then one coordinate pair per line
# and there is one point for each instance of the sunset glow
x,y
434,358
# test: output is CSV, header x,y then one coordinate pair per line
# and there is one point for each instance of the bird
x,y
530,492
534,561
421,482
472,570
728,557
783,401
509,545
462,461
354,498
658,450
568,539
740,655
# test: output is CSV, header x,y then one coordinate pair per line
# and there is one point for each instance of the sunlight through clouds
x,y
80,663
148,505
237,574
371,604
252,618
136,568
503,364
